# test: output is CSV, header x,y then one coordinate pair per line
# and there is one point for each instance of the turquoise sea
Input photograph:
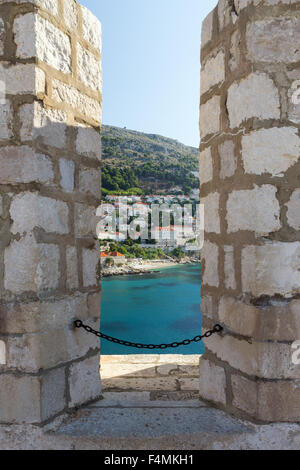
x,y
152,308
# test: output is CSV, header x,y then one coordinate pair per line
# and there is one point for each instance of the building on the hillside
x,y
117,257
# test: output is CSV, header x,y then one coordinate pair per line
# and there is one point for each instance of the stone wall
x,y
249,169
160,376
49,188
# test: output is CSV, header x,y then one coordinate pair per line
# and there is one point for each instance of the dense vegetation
x,y
137,163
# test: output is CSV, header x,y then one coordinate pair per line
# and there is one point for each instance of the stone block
x,y
85,221
235,51
2,36
38,266
272,151
67,174
113,370
6,121
91,28
83,104
21,396
189,384
210,256
213,71
141,384
90,263
266,360
89,181
245,394
84,381
229,267
72,268
30,210
207,29
210,117
212,382
271,269
89,69
88,142
211,212
274,40
71,14
38,37
53,393
22,165
228,159
255,209
253,97
293,210
205,166
22,79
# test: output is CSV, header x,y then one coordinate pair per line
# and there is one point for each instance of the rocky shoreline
x,y
144,267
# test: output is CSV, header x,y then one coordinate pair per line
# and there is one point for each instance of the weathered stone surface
x,y
235,50
213,71
270,269
67,171
229,268
270,151
49,125
210,256
22,165
212,382
50,5
38,266
2,36
47,315
254,96
71,14
110,370
238,316
205,166
228,159
85,221
89,181
211,212
245,396
293,210
274,40
2,353
89,69
258,359
207,29
22,78
84,381
91,28
6,121
255,209
53,393
88,142
63,93
1,207
20,395
30,210
225,13
189,384
294,96
37,37
210,117
141,384
72,268
90,262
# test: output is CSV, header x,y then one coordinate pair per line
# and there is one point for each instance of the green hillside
x,y
137,163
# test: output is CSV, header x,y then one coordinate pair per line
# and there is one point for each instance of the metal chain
x,y
186,342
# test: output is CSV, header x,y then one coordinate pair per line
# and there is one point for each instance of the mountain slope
x,y
136,163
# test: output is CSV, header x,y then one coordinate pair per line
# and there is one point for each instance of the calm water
x,y
153,308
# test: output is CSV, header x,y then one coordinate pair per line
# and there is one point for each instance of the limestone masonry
x,y
249,171
50,117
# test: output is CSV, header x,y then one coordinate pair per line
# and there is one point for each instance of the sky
x,y
151,64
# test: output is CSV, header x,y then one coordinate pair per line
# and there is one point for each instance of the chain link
x,y
186,342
